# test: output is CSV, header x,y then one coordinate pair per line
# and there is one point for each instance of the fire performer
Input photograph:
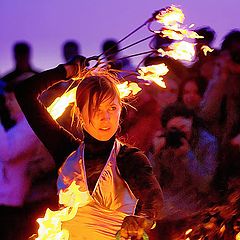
x,y
121,189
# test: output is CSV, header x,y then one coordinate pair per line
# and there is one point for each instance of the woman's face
x,y
191,96
105,120
181,123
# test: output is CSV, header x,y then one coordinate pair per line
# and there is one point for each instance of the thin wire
x,y
134,55
133,44
121,40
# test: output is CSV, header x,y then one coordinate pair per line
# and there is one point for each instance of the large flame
x,y
50,226
154,73
57,108
171,16
180,51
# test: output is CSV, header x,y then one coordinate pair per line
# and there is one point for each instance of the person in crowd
x,y
142,119
205,59
23,66
118,179
70,49
220,107
184,159
191,92
27,175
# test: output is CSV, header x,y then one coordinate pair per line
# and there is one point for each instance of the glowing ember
x,y
206,49
154,73
59,105
188,231
51,225
180,51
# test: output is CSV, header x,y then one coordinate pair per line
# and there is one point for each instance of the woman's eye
x,y
113,108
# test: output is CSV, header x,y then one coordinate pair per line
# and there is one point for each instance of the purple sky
x,y
46,24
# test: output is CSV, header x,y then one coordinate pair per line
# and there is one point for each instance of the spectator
x,y
184,160
23,66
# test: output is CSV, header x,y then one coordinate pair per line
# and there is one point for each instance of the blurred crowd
x,y
190,131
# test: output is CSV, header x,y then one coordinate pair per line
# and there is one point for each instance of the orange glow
x,y
188,231
180,51
172,16
154,73
50,227
206,49
127,88
238,236
57,108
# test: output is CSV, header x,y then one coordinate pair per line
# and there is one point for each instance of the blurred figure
x,y
23,66
192,91
27,176
184,161
208,35
205,62
221,107
70,49
142,121
111,49
5,117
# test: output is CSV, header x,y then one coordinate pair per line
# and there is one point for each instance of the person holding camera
x,y
220,108
184,161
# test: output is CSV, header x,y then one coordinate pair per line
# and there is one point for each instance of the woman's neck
x,y
96,147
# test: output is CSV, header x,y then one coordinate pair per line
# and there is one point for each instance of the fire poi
x,y
76,197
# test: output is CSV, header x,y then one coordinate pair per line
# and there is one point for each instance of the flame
x,y
50,226
57,108
180,51
188,231
171,16
154,73
206,49
127,88
238,236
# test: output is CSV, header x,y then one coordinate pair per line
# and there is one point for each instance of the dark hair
x,y
200,82
110,46
70,49
176,110
21,49
230,38
207,32
98,87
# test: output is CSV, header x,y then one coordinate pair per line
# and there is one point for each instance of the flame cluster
x,y
50,226
182,48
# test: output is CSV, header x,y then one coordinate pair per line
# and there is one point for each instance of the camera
x,y
173,138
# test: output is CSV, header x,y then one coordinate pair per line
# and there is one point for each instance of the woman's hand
x,y
134,226
75,67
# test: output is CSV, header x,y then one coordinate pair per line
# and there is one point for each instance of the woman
x,y
123,190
